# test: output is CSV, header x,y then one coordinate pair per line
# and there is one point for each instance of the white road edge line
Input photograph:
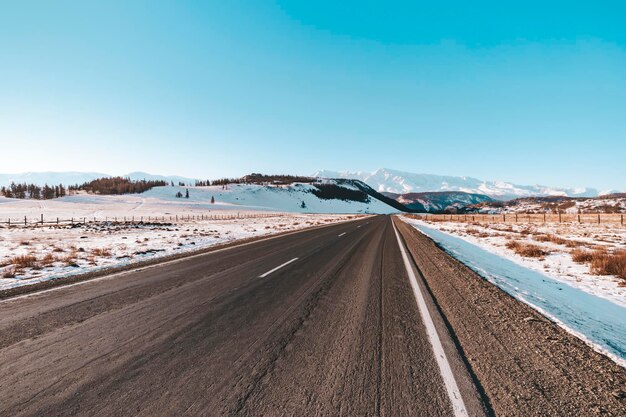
x,y
458,406
277,268
341,234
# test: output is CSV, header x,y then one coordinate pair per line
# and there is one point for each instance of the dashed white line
x,y
277,268
458,406
341,234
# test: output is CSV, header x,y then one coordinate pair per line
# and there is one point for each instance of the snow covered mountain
x,y
71,178
439,201
399,182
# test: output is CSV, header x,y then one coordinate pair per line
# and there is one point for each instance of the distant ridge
x,y
399,182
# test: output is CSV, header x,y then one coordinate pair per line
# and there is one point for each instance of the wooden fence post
x,y
598,218
621,218
42,218
559,217
57,220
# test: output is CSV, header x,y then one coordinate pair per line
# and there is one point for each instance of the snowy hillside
x,y
399,182
259,197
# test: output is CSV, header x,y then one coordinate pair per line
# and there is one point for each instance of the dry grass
x,y
558,240
70,259
101,252
603,263
24,261
47,260
582,256
527,250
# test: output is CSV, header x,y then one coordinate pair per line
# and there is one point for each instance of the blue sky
x,y
529,93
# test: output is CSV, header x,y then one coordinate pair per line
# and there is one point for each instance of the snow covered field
x,y
160,201
557,263
35,253
596,320
32,254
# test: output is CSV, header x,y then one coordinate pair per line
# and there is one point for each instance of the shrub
x,y
603,263
47,260
558,240
527,250
24,261
101,252
581,256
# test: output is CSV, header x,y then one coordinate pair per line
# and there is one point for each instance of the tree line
x,y
118,185
33,191
107,186
261,179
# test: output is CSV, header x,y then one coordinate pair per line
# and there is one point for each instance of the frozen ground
x,y
35,253
598,321
558,263
63,250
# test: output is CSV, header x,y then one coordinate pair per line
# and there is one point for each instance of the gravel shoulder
x,y
526,364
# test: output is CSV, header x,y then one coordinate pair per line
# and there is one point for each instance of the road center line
x,y
458,406
277,268
342,234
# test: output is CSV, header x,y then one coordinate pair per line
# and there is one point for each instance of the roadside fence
x,y
42,221
532,218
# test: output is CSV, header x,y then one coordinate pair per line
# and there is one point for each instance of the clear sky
x,y
533,92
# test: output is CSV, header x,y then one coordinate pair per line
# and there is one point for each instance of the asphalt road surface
x,y
335,321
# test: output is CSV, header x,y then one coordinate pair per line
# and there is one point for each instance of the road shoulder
x,y
526,364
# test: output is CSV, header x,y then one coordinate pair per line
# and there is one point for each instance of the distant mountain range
x,y
439,201
399,182
71,178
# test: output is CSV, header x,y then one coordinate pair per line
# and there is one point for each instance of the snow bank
x,y
597,320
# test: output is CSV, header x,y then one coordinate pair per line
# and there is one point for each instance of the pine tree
x,y
179,195
303,205
187,193
212,200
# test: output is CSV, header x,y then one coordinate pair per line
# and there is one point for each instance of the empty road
x,y
334,321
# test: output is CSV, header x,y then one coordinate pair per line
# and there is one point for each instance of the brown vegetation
x,y
603,263
558,240
101,252
24,261
527,250
582,256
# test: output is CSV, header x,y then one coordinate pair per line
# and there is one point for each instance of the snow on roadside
x,y
558,264
599,322
63,250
